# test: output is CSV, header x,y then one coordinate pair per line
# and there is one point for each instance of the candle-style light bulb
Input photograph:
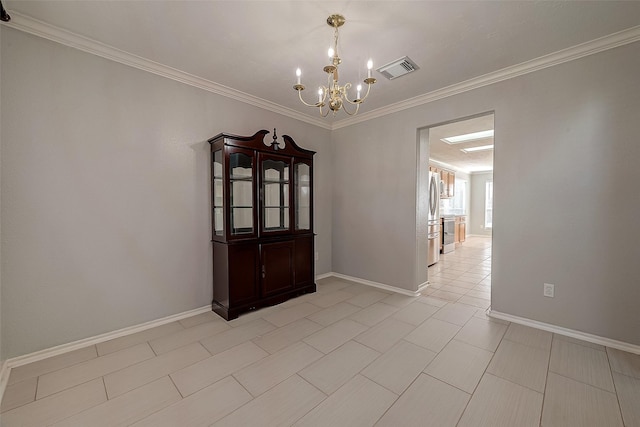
x,y
319,94
298,74
358,89
331,52
369,67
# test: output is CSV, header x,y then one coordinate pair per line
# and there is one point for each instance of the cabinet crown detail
x,y
262,221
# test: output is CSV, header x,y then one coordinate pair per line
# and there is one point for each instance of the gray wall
x,y
105,192
565,190
476,217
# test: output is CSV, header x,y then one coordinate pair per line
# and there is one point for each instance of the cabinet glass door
x,y
303,196
275,192
241,188
218,197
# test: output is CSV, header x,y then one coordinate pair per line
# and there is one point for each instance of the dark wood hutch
x,y
262,222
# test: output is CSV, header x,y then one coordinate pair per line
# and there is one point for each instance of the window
x,y
488,205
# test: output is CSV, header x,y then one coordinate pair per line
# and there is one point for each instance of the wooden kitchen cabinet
x,y
460,234
262,215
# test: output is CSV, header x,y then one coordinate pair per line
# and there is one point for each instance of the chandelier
x,y
334,95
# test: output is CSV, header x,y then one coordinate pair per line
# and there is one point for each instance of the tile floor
x,y
348,355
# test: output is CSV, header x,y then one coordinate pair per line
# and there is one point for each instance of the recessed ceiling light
x,y
468,137
480,148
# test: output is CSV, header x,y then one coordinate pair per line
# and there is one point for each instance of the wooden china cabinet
x,y
262,214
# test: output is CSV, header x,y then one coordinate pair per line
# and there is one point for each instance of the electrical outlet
x,y
548,290
317,256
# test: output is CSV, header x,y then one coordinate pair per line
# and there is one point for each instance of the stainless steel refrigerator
x,y
433,227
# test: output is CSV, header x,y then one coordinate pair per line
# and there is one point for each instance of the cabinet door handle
x,y
264,272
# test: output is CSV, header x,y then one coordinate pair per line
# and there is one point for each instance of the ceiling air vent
x,y
398,68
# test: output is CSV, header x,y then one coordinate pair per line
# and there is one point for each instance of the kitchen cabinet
x,y
447,181
262,222
460,234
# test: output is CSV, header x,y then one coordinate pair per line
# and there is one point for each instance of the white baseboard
x,y
323,276
595,339
4,377
75,345
378,285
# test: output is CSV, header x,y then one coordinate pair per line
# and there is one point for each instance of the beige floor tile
x,y
427,403
334,313
291,314
529,336
198,319
336,368
464,286
208,371
138,338
569,403
501,403
188,336
331,284
624,362
360,402
357,288
128,408
415,313
398,367
374,314
134,376
475,302
56,407
399,300
581,342
280,338
385,334
582,364
457,314
447,296
479,294
333,336
280,406
521,364
18,394
201,408
365,299
482,333
274,369
237,335
432,301
455,289
331,298
250,316
35,369
628,389
433,334
61,379
460,365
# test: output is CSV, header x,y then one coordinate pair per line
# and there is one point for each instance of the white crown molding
x,y
59,35
47,31
595,339
610,41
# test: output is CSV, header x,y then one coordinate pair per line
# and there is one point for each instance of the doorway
x,y
461,154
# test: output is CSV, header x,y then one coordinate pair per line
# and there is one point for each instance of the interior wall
x,y
105,186
565,178
478,184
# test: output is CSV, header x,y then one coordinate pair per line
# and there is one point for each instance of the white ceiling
x,y
449,155
255,46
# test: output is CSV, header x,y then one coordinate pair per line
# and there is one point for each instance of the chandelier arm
x,y
361,100
317,104
354,112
